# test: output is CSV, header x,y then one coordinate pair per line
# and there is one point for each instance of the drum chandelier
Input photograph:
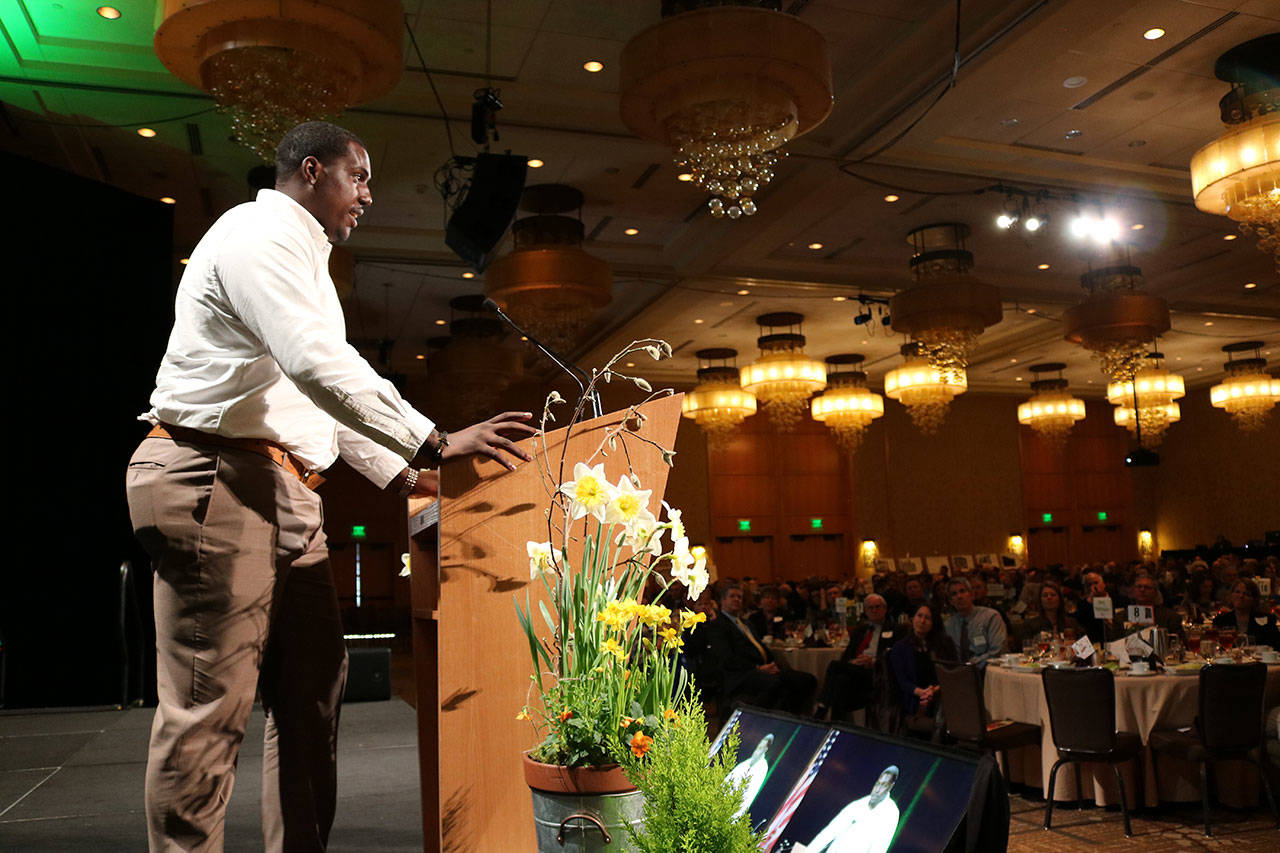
x,y
718,403
925,390
1051,411
847,406
783,378
725,86
1152,392
1238,174
1117,320
1248,392
273,65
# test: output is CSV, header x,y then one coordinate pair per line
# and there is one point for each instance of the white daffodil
x,y
588,492
681,557
643,535
627,503
688,569
542,559
673,520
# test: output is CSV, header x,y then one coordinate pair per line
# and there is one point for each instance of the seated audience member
x,y
1099,629
747,669
1200,601
768,620
1247,618
916,592
1146,593
1051,615
849,682
912,662
978,633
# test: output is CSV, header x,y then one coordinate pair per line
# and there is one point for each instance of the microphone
x,y
577,374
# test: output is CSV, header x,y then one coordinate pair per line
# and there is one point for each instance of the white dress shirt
x,y
258,349
859,828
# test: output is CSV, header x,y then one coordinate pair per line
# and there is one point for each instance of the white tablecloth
x,y
811,660
1143,704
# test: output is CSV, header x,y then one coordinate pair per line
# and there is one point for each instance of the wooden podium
x,y
471,657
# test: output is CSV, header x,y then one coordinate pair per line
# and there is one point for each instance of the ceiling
x,y
75,88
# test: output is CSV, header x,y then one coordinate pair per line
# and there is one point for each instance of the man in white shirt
x,y
749,775
864,826
258,390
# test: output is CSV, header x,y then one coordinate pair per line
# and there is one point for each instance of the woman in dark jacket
x,y
1053,616
912,661
1247,618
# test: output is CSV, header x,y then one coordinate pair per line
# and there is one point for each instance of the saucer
x,y
1133,674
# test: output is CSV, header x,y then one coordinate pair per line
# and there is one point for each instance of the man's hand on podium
x,y
486,439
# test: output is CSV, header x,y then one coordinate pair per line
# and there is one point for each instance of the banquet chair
x,y
966,719
1228,726
1082,718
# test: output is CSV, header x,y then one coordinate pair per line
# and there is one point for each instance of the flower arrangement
x,y
605,670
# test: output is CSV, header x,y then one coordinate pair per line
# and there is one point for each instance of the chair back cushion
x,y
962,706
1082,708
1231,700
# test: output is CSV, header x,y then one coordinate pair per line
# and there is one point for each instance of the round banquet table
x,y
803,659
1143,704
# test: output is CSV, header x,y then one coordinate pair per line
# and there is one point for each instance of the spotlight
x,y
1100,231
1033,223
886,320
1006,220
862,319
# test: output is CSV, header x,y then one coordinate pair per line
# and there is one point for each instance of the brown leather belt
x,y
261,446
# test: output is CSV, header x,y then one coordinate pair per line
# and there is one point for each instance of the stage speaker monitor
x,y
368,675
482,218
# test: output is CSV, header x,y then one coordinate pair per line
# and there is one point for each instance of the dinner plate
x,y
1132,674
1178,670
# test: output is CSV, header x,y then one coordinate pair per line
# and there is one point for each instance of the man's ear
x,y
310,170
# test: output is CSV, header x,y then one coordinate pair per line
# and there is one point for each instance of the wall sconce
x,y
1146,545
870,553
1017,547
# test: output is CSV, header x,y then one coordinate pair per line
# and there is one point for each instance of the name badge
x,y
1083,647
1102,607
777,619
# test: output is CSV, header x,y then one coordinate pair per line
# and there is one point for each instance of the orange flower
x,y
670,714
565,714
626,722
523,715
640,743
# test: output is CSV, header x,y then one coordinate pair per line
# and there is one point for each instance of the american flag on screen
x,y
783,817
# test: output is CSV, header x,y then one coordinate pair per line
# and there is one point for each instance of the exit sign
x,y
744,525
815,523
1046,517
1102,515
358,531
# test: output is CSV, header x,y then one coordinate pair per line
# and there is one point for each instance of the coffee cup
x,y
1139,667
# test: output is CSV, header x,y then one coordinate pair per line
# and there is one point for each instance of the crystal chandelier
x,y
725,86
923,389
1238,174
1248,392
718,403
547,283
1152,392
946,310
275,65
1117,320
847,407
1051,411
783,378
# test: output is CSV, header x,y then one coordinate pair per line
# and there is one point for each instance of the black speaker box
x,y
480,221
368,675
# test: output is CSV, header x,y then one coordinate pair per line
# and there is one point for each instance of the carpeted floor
x,y
72,781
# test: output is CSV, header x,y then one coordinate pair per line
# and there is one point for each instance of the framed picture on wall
x,y
962,563
910,565
935,564
980,560
886,564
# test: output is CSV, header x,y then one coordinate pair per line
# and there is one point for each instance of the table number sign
x,y
1141,614
1083,647
1103,608
1264,585
995,590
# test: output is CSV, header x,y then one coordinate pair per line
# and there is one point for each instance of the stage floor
x,y
72,780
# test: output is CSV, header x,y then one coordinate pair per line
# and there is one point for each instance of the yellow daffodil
x,y
589,493
612,647
689,618
672,637
654,614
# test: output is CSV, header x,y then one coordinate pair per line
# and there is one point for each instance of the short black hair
x,y
320,139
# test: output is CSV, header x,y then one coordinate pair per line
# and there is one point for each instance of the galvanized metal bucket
x,y
586,823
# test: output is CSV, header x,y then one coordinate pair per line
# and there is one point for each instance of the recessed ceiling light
x,y
698,322
1031,310
1073,133
1179,358
441,322
815,246
1137,226
146,132
1199,368
1250,285
524,337
685,176
185,261
1019,379
468,275
864,343
891,198
420,357
631,364
744,292
1230,236
593,66
1208,322
1042,266
1013,361
111,13
1075,82
168,199
535,163
631,232
839,299
1153,33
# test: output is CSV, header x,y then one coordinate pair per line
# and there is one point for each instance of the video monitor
x,y
845,791
773,753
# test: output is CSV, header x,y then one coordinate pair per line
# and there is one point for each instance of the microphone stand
x,y
577,374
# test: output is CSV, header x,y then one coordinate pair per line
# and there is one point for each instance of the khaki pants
x,y
244,602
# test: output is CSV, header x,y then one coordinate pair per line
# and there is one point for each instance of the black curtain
x,y
90,272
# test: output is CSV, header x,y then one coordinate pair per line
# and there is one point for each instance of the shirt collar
x,y
283,202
